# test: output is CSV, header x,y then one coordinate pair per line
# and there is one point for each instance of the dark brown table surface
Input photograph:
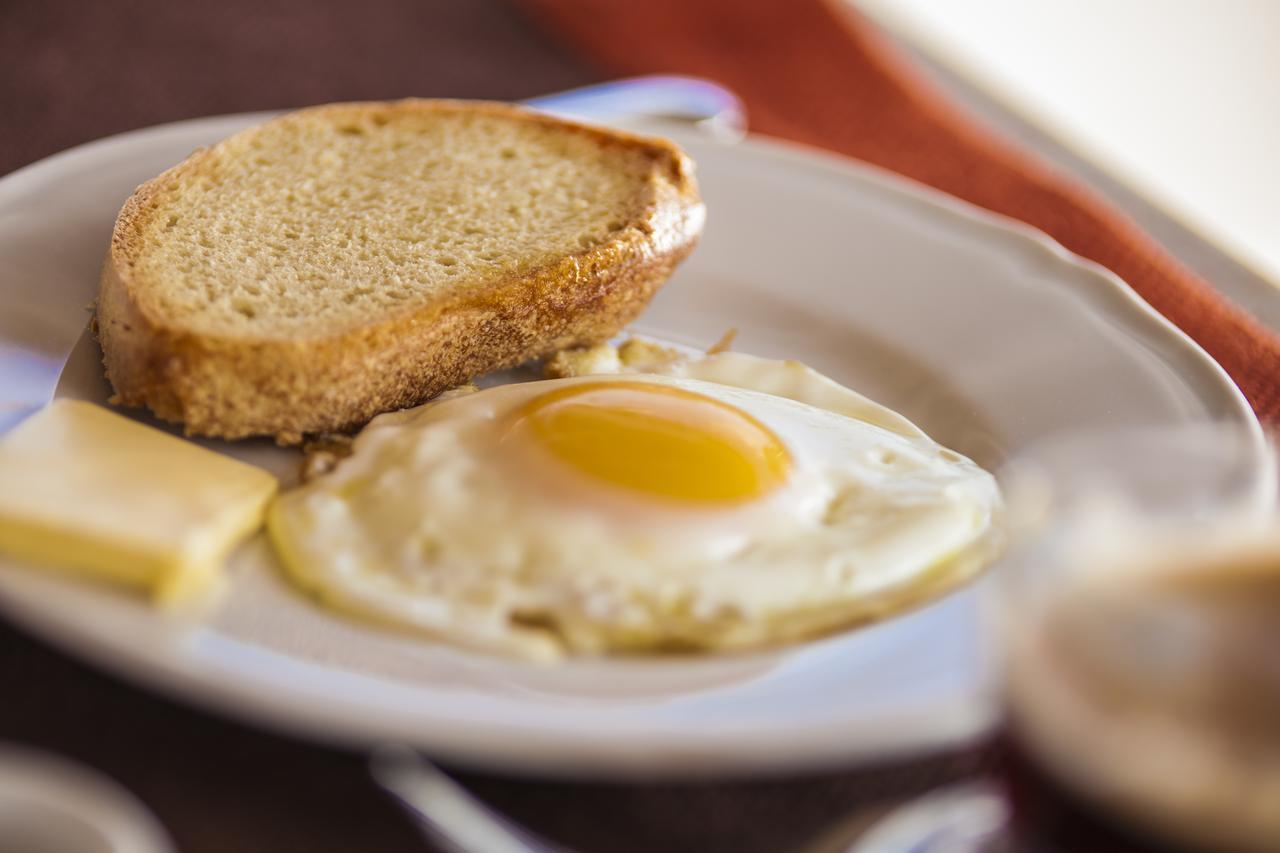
x,y
77,71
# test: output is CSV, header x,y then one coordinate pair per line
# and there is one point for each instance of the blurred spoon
x,y
450,816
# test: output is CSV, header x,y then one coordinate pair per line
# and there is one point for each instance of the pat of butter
x,y
86,489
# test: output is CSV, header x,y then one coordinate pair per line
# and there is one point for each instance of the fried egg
x,y
730,502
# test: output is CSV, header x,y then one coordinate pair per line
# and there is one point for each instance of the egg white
x,y
432,525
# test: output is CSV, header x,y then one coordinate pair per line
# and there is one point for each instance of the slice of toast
x,y
309,273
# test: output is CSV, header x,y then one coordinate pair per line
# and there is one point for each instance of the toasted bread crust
x,y
233,387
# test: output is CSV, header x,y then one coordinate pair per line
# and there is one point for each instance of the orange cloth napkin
x,y
814,72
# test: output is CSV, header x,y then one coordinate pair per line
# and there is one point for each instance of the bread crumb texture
x,y
309,273
332,217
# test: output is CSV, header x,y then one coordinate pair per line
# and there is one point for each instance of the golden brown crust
x,y
233,387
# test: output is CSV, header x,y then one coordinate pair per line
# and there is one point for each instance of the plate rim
x,y
162,673
931,197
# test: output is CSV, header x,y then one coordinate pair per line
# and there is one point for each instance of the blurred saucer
x,y
51,805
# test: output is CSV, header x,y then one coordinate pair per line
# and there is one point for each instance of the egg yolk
x,y
657,439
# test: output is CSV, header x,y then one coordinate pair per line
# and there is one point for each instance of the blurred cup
x,y
50,804
1139,614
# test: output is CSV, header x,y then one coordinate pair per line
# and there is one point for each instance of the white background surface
x,y
1179,99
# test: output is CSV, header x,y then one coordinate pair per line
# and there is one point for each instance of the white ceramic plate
x,y
984,332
